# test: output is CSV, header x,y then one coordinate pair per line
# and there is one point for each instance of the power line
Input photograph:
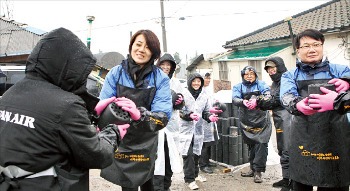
x,y
183,17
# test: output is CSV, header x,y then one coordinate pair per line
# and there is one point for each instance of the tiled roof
x,y
329,17
195,62
17,38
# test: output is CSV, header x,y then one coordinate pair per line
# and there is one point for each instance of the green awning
x,y
258,52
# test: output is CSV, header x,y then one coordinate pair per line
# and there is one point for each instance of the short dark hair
x,y
312,33
152,42
207,75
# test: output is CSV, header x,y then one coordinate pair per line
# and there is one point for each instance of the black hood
x,y
61,58
245,82
191,77
168,57
281,68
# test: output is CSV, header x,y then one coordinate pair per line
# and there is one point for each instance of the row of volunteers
x,y
50,135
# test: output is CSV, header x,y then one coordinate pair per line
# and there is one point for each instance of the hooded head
x,y
280,67
191,77
62,59
246,70
167,57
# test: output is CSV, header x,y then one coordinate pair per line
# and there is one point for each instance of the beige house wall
x,y
334,49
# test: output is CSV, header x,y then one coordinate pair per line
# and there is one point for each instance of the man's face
x,y
249,76
271,70
207,81
310,50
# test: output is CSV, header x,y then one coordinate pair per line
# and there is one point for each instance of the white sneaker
x,y
201,178
193,185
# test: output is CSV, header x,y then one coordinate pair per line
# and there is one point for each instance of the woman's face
x,y
166,66
196,83
249,76
140,52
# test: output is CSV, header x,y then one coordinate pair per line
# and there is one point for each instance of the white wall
x,y
333,49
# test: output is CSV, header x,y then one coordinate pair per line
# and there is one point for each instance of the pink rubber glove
x,y
102,104
303,107
214,110
213,118
129,106
194,116
246,103
123,129
323,102
179,100
340,85
252,103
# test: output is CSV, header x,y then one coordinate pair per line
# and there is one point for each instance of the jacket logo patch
x,y
17,119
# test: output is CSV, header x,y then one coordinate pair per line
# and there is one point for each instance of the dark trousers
x,y
284,160
147,186
205,155
190,162
162,183
258,156
297,186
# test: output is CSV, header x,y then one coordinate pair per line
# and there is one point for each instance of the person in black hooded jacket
x,y
47,140
275,67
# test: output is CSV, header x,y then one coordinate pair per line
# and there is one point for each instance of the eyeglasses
x,y
308,46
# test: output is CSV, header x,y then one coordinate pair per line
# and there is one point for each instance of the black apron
x,y
282,122
136,155
320,146
255,124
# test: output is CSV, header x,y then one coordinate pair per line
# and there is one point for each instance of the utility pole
x,y
90,19
163,26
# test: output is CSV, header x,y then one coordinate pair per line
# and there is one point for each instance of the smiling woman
x,y
143,90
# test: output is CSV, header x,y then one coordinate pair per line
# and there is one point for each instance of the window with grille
x,y
257,65
223,72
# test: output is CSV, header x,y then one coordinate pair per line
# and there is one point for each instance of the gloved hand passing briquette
x,y
252,103
213,118
340,85
323,102
179,100
194,116
245,103
123,129
215,110
303,107
129,106
102,104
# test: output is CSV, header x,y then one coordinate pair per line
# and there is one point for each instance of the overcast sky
x,y
207,25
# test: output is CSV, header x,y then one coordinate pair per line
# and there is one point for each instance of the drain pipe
x,y
288,19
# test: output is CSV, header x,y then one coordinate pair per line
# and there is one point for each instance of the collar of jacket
x,y
322,66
